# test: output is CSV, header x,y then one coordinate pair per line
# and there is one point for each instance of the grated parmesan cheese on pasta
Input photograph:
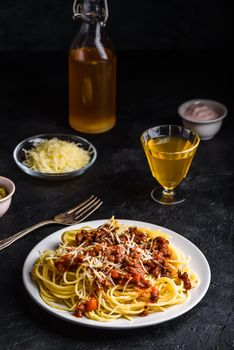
x,y
56,156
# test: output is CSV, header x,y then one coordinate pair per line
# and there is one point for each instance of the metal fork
x,y
72,216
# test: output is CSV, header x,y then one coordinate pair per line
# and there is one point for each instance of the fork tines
x,y
80,205
84,209
82,213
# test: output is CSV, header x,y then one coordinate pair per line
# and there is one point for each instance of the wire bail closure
x,y
77,11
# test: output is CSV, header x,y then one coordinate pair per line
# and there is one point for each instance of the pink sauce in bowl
x,y
204,116
200,112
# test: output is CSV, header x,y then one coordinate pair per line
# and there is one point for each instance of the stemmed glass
x,y
170,150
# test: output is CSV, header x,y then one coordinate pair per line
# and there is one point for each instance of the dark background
x,y
175,49
133,24
168,52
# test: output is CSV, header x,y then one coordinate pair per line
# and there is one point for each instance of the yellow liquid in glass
x,y
169,168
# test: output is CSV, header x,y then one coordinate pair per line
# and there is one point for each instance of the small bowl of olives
x,y
7,189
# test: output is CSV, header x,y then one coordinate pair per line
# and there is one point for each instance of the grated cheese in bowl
x,y
56,156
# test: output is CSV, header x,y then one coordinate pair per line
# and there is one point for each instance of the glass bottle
x,y
92,71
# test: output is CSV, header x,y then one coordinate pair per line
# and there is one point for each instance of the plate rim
x,y
64,315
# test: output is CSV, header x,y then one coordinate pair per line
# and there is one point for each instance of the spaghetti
x,y
113,271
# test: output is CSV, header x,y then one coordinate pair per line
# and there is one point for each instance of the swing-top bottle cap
x,y
91,10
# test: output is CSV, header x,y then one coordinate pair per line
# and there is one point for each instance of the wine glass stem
x,y
168,193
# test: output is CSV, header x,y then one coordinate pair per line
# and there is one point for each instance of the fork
x,y
72,216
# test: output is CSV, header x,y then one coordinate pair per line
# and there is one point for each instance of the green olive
x,y
3,192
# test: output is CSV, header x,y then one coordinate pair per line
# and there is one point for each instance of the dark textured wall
x,y
133,24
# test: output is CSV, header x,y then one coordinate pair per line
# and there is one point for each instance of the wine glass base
x,y
178,196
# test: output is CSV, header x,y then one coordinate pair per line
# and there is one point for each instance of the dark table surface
x,y
151,85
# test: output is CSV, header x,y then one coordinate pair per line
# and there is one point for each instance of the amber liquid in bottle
x,y
92,85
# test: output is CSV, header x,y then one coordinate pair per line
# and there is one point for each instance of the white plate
x,y
198,263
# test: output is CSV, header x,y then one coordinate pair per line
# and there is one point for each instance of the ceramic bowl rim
x,y
10,194
197,100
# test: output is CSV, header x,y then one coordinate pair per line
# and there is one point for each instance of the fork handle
x,y
11,239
